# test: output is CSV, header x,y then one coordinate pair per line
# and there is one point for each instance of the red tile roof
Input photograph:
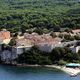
x,y
4,35
41,39
76,31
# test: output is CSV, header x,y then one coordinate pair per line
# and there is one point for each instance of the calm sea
x,y
39,73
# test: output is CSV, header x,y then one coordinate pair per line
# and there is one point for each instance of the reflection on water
x,y
38,73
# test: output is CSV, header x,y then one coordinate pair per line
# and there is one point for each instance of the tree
x,y
62,62
34,56
55,54
68,30
39,31
77,37
53,34
56,28
69,37
12,42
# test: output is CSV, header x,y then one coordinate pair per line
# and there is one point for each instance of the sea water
x,y
33,73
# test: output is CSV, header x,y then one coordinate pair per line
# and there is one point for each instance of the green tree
x,y
34,56
12,42
53,34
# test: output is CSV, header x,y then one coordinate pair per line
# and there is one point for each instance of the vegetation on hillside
x,y
38,15
57,56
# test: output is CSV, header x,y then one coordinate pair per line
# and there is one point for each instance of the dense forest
x,y
39,15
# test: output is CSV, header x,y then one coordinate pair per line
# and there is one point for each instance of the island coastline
x,y
69,71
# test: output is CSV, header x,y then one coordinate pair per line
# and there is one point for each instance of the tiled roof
x,y
76,31
39,39
4,35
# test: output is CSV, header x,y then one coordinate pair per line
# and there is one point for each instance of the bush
x,y
62,62
12,42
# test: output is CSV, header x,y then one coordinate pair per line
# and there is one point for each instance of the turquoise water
x,y
14,73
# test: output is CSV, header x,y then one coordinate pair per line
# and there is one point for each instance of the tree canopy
x,y
19,15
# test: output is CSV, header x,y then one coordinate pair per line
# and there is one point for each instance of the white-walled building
x,y
48,47
75,49
45,42
20,49
45,47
